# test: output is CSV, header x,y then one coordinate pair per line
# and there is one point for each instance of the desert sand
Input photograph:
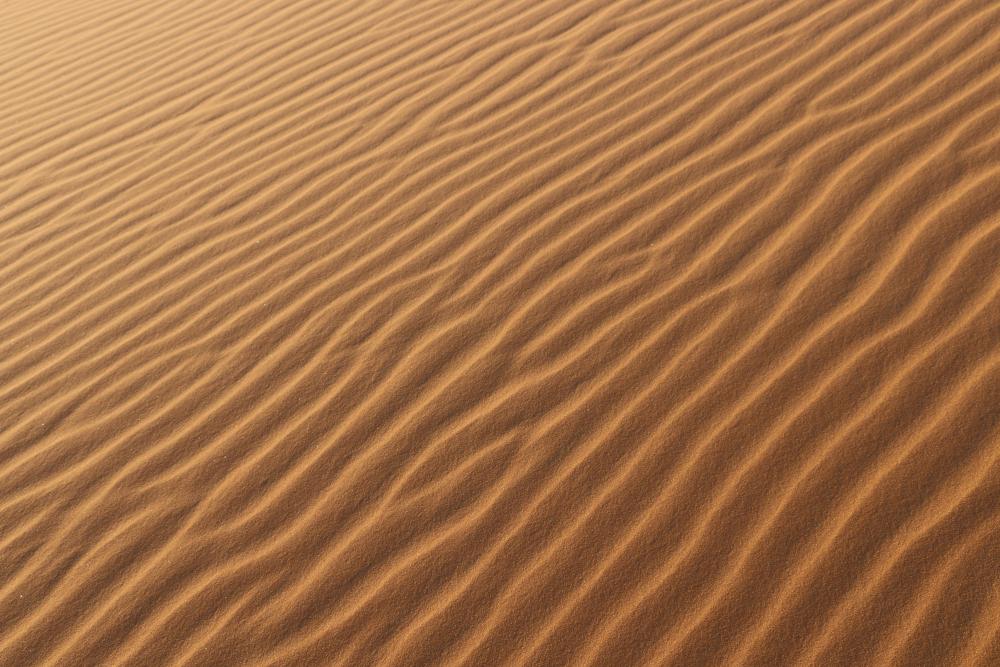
x,y
500,332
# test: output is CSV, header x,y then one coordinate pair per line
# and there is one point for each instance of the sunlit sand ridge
x,y
482,332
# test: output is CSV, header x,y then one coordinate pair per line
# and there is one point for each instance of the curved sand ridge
x,y
494,332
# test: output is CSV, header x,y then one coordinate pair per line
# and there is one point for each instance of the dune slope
x,y
483,332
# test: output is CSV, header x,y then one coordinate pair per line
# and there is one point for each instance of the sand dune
x,y
481,332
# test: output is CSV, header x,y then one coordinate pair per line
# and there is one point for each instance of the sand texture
x,y
500,332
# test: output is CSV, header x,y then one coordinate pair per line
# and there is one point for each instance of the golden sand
x,y
500,332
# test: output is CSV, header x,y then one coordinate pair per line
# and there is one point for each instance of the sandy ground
x,y
500,332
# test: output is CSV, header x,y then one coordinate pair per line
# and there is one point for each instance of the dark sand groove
x,y
558,332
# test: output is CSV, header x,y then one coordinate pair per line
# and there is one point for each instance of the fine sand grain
x,y
500,332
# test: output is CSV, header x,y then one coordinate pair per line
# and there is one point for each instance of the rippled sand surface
x,y
500,332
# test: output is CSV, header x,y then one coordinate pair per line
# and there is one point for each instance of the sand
x,y
482,332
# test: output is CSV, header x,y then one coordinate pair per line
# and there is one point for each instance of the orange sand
x,y
500,332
